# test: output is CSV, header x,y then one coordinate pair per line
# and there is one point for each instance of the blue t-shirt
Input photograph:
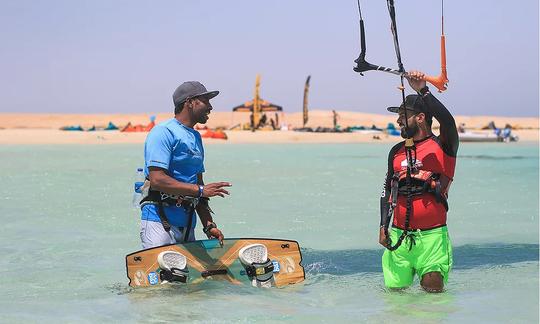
x,y
179,150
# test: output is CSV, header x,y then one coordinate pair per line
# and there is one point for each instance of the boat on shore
x,y
478,137
485,137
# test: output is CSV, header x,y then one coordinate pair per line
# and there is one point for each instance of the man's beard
x,y
201,117
409,132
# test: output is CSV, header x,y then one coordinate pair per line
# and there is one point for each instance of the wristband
x,y
424,91
201,189
207,228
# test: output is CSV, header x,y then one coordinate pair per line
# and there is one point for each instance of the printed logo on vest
x,y
418,164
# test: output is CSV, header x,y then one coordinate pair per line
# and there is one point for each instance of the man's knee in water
x,y
432,282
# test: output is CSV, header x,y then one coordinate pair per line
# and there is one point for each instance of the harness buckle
x,y
179,202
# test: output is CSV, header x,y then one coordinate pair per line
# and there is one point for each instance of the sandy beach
x,y
44,128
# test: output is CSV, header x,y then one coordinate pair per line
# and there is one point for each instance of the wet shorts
x,y
431,251
153,234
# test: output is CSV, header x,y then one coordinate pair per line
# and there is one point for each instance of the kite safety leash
x,y
409,142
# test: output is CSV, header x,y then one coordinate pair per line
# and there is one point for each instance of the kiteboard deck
x,y
208,260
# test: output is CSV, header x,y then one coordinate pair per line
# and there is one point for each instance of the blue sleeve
x,y
158,148
200,143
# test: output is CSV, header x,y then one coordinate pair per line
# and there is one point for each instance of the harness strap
x,y
420,182
398,243
163,217
162,200
187,230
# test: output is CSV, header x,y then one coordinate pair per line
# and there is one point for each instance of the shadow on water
x,y
347,262
351,262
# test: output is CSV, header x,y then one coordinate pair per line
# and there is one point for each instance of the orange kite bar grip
x,y
441,81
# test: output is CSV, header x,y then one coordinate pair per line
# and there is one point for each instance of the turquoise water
x,y
68,224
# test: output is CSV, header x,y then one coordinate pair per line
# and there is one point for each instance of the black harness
x,y
162,200
420,182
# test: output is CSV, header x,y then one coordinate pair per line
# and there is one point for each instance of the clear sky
x,y
105,56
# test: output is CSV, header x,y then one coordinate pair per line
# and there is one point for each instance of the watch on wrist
x,y
208,227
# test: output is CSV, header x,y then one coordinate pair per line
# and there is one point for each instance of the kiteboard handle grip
x,y
209,273
441,81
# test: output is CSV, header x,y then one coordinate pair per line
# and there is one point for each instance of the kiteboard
x,y
243,261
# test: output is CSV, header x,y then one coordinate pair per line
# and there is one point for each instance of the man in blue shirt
x,y
174,156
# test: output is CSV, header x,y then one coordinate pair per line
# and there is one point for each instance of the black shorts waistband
x,y
419,229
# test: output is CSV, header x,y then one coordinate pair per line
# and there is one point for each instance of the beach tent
x,y
256,106
265,107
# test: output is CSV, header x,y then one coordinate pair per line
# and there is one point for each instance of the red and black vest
x,y
430,182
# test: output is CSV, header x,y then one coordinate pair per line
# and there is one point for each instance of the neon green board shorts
x,y
431,251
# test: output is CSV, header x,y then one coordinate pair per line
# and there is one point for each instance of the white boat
x,y
479,137
367,131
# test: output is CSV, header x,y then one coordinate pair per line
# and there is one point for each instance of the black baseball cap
x,y
191,89
412,102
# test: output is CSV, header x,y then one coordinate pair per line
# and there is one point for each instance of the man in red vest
x,y
418,201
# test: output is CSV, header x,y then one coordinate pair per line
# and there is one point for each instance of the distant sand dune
x,y
43,128
226,119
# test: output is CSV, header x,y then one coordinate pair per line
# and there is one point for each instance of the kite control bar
x,y
440,82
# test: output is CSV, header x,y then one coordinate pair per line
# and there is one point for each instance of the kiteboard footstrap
x,y
258,266
173,267
260,270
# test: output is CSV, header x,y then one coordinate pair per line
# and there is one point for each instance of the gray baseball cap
x,y
191,89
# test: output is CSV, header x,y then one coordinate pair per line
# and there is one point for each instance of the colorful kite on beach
x,y
129,128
